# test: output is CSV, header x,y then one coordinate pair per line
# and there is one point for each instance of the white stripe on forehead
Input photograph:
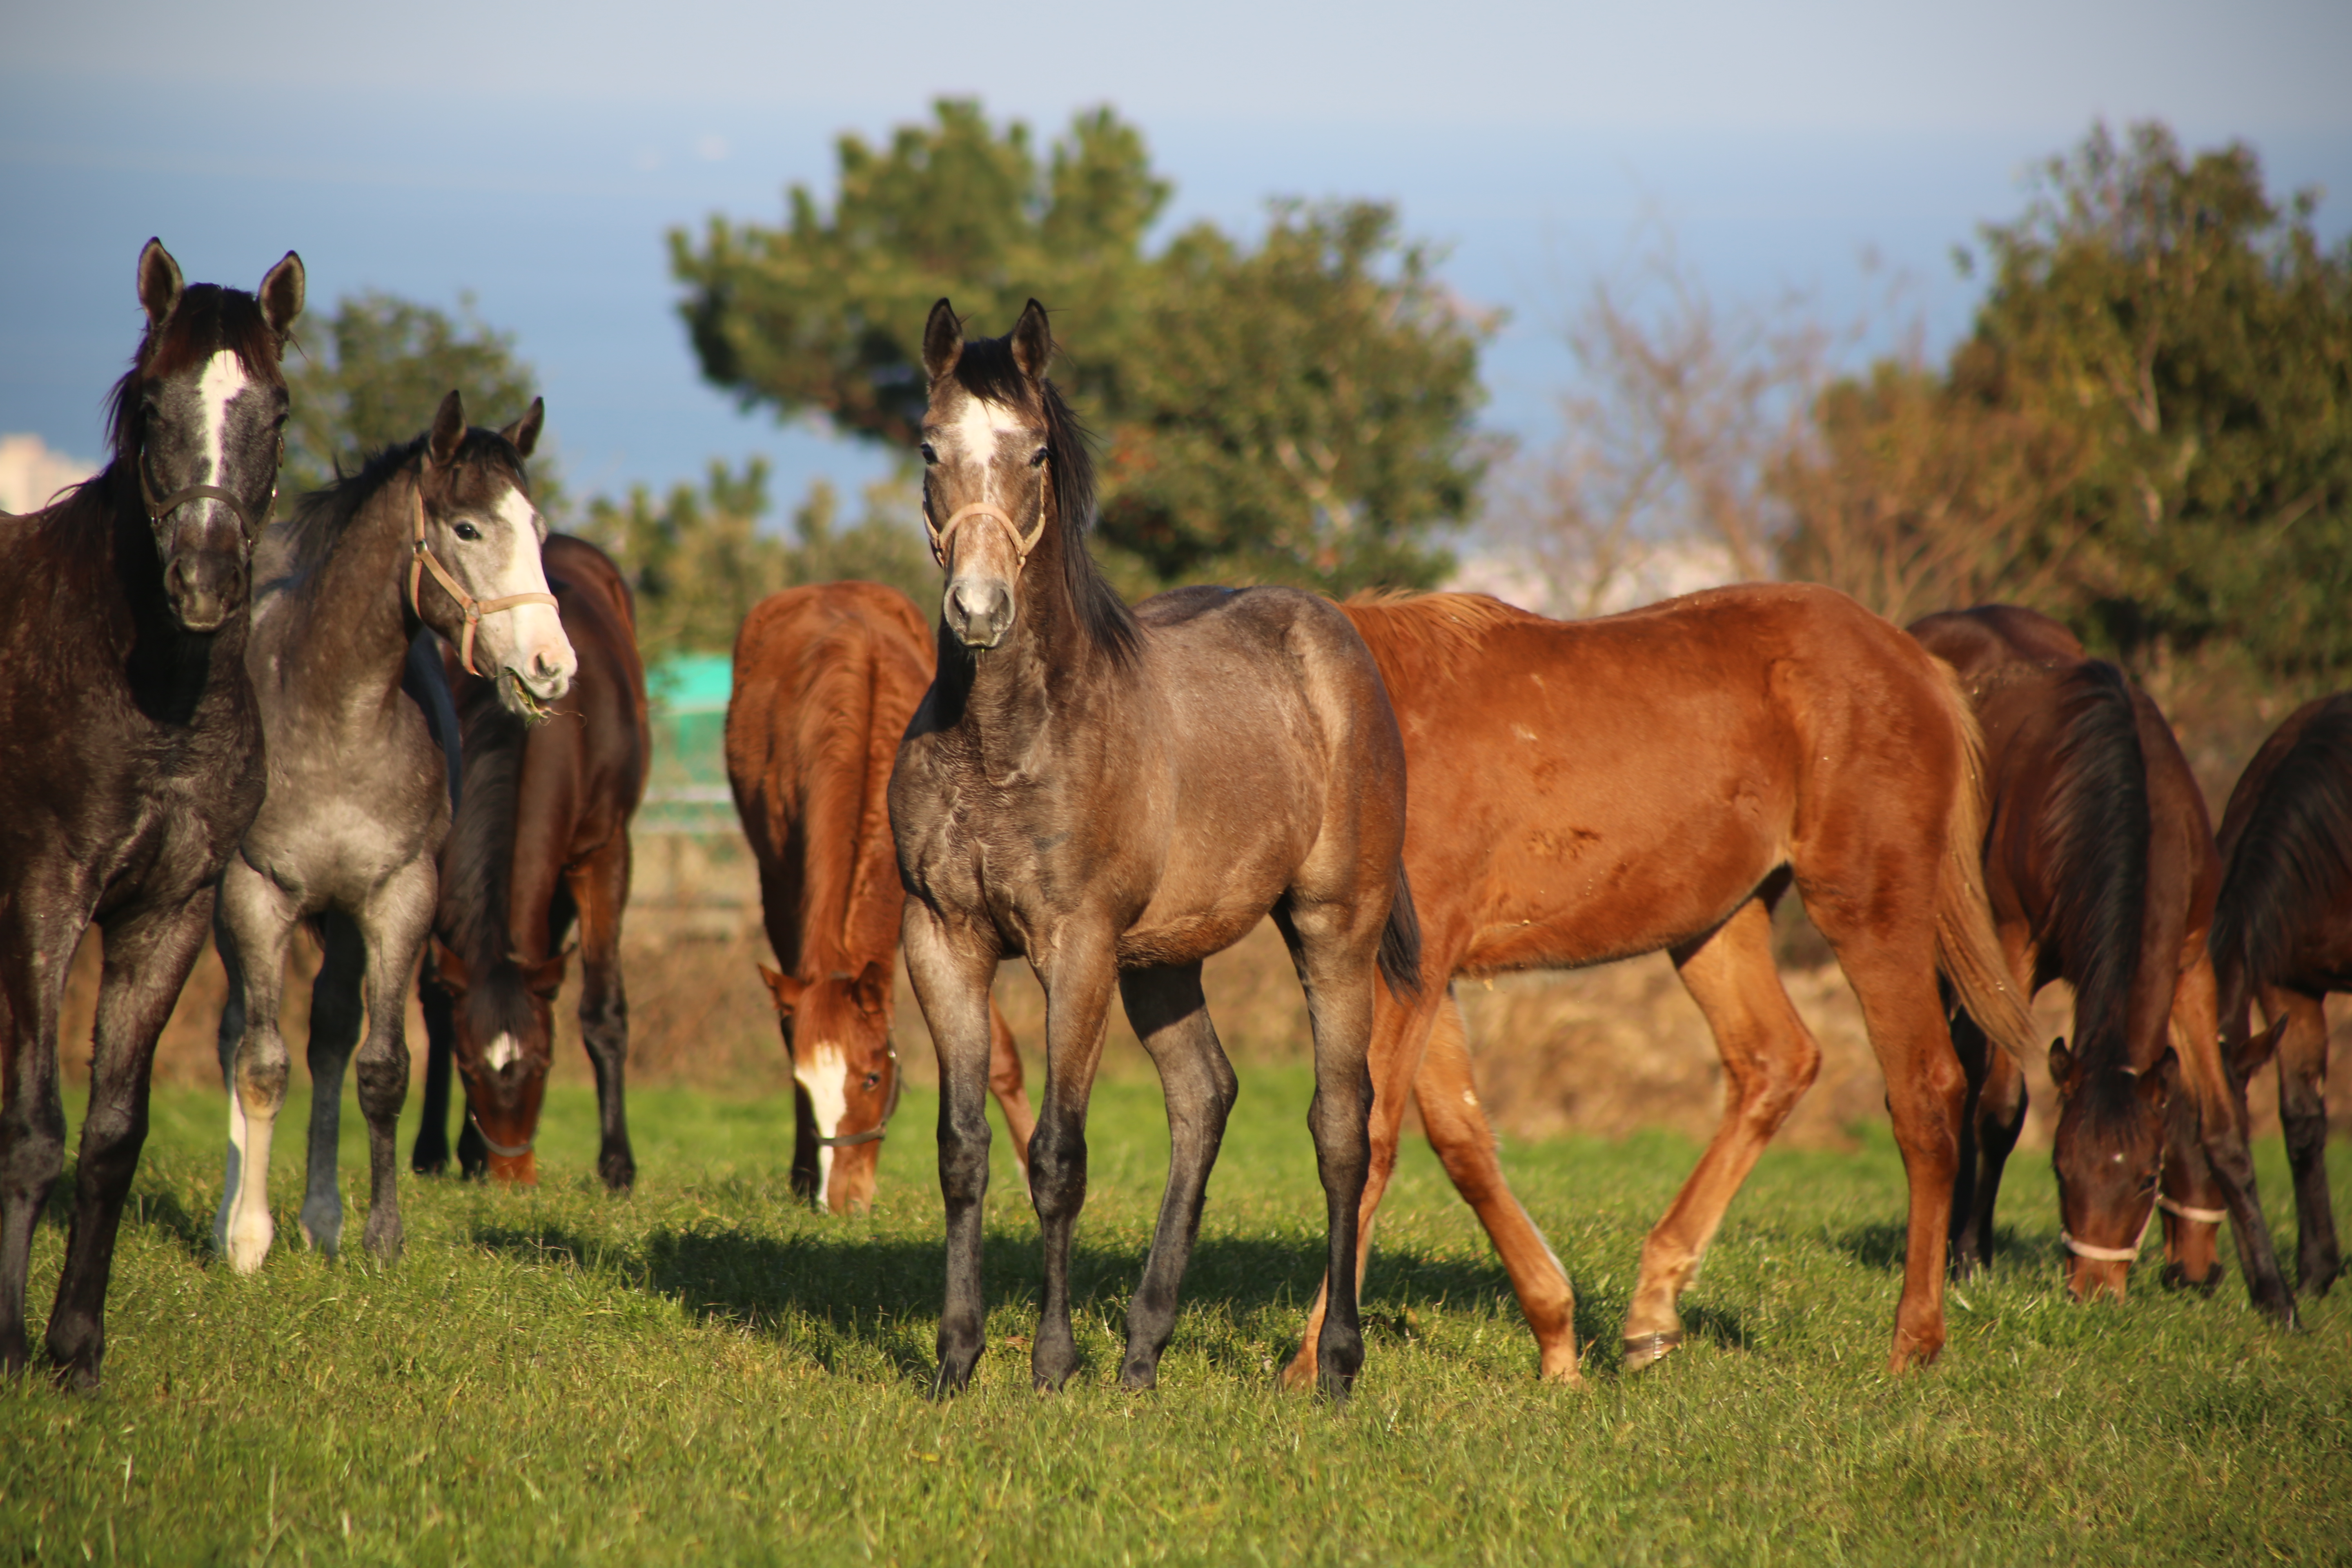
x,y
826,1080
979,428
520,569
223,379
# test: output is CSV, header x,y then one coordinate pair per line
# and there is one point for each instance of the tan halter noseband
x,y
422,560
943,535
159,508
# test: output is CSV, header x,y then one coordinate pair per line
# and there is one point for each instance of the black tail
x,y
2292,860
2097,831
1401,943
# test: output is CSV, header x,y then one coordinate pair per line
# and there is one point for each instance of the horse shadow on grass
x,y
1882,1245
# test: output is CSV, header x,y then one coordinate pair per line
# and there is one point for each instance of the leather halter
x,y
873,1133
422,560
158,508
943,534
503,1151
2203,1216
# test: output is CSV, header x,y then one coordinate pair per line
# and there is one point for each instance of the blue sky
x,y
535,155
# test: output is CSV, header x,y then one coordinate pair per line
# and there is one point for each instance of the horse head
x,y
845,1078
505,1025
477,539
2109,1155
199,419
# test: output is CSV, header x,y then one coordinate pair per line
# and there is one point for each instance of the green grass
x,y
705,1371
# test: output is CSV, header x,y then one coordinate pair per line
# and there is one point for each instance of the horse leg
x,y
429,1156
336,1018
253,922
1990,1128
952,988
2221,1123
1769,1061
148,956
38,936
1171,1019
600,890
1399,1035
1077,1004
2303,1112
395,925
1005,1083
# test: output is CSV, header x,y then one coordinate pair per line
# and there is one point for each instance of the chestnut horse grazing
x,y
437,533
2100,864
130,754
540,839
1114,797
2282,938
1588,790
825,678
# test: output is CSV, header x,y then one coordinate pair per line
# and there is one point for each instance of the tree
x,y
1297,410
389,362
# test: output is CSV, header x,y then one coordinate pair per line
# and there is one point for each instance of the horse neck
x,y
480,915
351,636
1047,670
172,675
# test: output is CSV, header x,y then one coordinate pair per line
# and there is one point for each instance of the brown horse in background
x,y
540,839
1591,791
825,679
2100,864
2282,938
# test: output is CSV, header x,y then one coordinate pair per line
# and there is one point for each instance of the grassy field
x,y
707,1372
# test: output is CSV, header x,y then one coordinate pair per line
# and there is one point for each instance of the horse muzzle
x,y
205,589
979,612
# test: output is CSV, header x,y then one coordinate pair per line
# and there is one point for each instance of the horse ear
x,y
159,283
449,429
942,341
2062,1064
2155,1083
872,989
783,988
448,968
281,293
545,978
1032,341
524,432
2261,1048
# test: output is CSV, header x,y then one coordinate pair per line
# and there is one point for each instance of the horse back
x,y
826,677
2284,916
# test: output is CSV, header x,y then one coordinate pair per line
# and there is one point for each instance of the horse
x,y
2282,938
1589,790
357,804
540,839
2100,863
826,677
1114,795
131,753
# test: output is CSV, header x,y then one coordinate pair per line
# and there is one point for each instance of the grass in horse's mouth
x,y
523,701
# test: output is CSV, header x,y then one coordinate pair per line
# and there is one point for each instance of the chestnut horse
x,y
825,678
2282,938
130,754
1591,791
2100,864
540,839
1114,795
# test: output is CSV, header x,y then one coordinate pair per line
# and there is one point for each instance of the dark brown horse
x,y
1588,790
2100,868
2282,940
1114,797
540,840
825,679
131,753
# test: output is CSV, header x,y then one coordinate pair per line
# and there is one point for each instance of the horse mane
x,y
208,319
321,517
2293,858
1426,638
987,370
479,860
2097,832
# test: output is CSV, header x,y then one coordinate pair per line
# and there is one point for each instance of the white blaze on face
x,y
526,639
503,1050
223,378
824,1077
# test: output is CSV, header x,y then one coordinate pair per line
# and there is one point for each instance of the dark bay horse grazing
x,y
131,753
2282,939
540,840
825,679
358,800
2100,863
1588,791
1114,797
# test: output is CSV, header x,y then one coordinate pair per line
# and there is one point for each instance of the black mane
x,y
320,518
2292,858
2098,835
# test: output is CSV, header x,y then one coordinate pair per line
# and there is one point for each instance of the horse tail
x,y
1968,952
2097,830
1400,958
2290,858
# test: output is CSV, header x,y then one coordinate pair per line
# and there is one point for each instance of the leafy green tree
x,y
1296,410
386,365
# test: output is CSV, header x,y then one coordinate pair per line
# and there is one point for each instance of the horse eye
x,y
929,455
1039,460
871,1078
466,531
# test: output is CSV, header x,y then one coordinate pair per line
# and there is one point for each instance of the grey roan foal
x,y
1114,797
358,799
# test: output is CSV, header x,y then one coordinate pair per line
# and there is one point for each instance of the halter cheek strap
x,y
421,561
944,534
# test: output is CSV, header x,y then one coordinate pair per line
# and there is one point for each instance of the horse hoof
x,y
947,1382
248,1246
1647,1350
1138,1376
